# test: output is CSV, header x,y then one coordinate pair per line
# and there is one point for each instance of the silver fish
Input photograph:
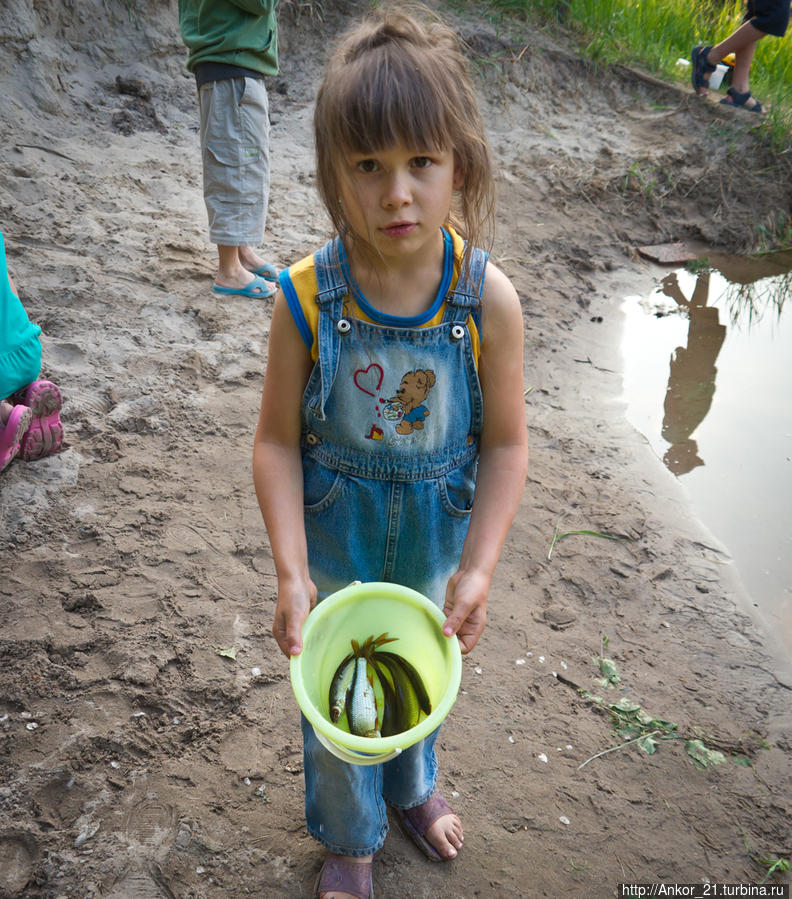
x,y
362,709
340,687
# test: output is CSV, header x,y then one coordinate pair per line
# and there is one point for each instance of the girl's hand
x,y
465,608
294,604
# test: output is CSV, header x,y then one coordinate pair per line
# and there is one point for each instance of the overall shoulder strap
x,y
465,298
332,287
331,290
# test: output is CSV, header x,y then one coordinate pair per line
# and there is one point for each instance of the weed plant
x,y
654,34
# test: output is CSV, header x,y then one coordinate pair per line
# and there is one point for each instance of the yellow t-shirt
x,y
300,287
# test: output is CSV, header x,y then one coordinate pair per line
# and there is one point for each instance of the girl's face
x,y
397,199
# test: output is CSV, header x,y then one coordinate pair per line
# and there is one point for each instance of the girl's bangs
x,y
384,107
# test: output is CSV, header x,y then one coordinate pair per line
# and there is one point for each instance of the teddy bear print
x,y
413,390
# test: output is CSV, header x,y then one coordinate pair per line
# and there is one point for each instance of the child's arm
x,y
502,464
278,477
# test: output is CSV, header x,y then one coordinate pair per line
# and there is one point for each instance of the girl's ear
x,y
459,176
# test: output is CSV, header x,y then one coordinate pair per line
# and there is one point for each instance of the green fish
x,y
407,708
389,726
415,679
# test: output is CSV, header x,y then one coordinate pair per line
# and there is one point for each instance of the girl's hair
x,y
394,80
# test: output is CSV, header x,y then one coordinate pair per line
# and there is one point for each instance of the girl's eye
x,y
421,162
367,166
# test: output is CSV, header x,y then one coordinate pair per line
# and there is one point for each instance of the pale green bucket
x,y
355,613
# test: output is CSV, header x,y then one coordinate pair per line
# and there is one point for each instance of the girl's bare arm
x,y
502,464
278,478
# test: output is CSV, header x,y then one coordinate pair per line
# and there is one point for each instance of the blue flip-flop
x,y
258,289
268,272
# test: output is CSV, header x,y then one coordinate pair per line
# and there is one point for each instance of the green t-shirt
x,y
242,33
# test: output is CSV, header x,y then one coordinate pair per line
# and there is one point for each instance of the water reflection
x,y
707,379
691,379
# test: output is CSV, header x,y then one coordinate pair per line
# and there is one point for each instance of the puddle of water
x,y
708,381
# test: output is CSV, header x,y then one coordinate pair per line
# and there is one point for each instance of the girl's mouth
x,y
398,229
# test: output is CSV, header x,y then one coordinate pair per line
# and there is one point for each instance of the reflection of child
x,y
691,379
30,425
399,145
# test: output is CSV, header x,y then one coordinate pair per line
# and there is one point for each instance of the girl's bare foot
x,y
445,834
434,828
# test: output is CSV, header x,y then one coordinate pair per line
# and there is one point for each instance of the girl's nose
x,y
397,191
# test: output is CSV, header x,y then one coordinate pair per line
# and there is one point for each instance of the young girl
x,y
30,424
394,387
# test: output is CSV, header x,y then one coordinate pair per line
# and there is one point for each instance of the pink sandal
x,y
45,434
13,433
417,820
345,876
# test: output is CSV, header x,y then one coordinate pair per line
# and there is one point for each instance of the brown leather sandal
x,y
343,875
417,820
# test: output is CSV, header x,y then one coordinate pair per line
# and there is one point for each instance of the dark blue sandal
x,y
699,67
735,98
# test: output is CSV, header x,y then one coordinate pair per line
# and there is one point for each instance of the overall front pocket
x,y
321,486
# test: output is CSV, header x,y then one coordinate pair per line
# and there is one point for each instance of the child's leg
x,y
235,153
738,40
409,787
344,809
742,67
742,43
230,271
251,260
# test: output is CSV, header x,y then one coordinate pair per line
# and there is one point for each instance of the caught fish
x,y
340,687
389,726
407,708
362,706
415,679
372,686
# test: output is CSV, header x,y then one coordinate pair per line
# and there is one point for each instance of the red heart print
x,y
365,378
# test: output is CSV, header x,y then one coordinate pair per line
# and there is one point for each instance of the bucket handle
x,y
354,758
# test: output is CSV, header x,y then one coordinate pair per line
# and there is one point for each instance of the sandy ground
x,y
138,762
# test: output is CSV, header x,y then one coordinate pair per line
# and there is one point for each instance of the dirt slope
x,y
135,761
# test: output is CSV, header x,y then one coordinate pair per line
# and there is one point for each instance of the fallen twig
x,y
614,748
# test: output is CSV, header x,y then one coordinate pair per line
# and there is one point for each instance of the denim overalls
x,y
392,416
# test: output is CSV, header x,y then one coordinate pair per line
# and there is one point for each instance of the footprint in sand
x,y
150,825
151,832
139,885
18,853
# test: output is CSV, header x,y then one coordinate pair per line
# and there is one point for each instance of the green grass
x,y
653,34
